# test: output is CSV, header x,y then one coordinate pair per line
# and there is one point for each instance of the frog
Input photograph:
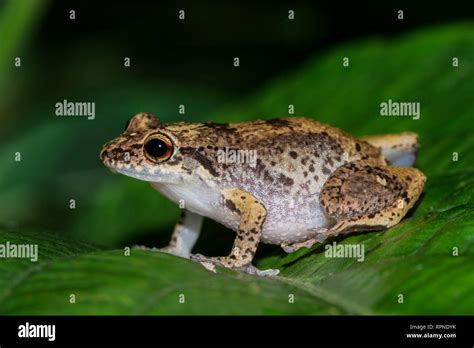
x,y
306,182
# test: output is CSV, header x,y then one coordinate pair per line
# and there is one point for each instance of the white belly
x,y
287,221
199,199
290,223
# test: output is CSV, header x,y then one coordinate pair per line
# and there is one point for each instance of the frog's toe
x,y
203,258
175,251
251,269
172,250
290,248
208,262
143,247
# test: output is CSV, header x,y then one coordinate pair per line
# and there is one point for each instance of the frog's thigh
x,y
361,196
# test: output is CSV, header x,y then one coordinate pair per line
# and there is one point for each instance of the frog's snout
x,y
103,154
107,157
106,154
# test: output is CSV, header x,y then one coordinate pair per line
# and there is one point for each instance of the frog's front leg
x,y
185,234
252,215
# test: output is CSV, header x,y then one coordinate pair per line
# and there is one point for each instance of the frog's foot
x,y
251,269
318,238
398,149
176,251
228,262
290,248
170,249
363,197
143,247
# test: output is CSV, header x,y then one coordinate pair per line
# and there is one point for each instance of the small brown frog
x,y
291,182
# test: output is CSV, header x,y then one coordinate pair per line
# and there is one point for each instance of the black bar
x,y
137,330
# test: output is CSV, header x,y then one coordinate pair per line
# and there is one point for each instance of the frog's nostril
x,y
106,155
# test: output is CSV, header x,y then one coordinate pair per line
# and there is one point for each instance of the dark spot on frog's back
x,y
278,122
286,181
220,127
267,177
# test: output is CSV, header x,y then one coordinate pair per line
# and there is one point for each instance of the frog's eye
x,y
158,148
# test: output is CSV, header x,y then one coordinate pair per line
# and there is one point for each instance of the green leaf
x,y
109,282
426,259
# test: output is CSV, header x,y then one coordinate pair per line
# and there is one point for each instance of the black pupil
x,y
156,148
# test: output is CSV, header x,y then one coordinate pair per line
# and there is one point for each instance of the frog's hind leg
x,y
398,149
292,247
360,196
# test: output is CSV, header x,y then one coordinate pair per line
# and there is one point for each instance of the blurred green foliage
x,y
17,18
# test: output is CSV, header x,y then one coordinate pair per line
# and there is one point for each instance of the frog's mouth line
x,y
133,174
159,178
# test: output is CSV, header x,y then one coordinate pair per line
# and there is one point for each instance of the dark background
x,y
200,48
